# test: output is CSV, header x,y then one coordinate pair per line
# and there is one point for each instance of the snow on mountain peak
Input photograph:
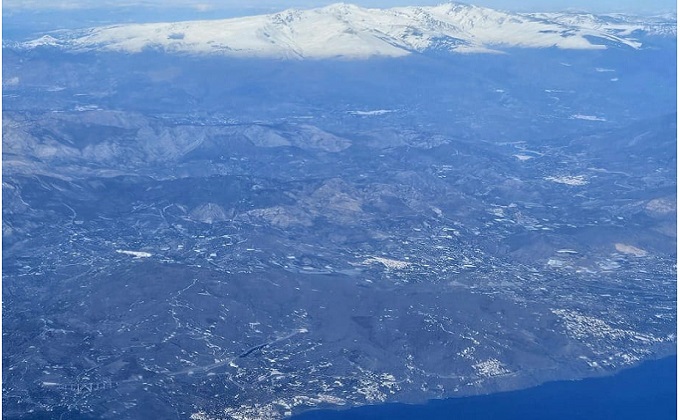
x,y
42,41
349,31
341,8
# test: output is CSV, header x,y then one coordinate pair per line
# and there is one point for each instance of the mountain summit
x,y
348,31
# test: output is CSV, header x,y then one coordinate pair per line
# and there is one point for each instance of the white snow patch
x,y
136,254
374,112
568,180
387,262
553,262
587,117
608,26
42,41
82,108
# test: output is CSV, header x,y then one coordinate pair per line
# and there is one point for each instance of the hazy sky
x,y
637,6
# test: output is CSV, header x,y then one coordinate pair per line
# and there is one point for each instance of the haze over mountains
x,y
349,31
250,218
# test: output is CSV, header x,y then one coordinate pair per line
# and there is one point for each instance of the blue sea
x,y
647,392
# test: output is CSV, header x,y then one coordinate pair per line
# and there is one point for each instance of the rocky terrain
x,y
253,242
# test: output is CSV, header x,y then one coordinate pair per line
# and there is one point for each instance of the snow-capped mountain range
x,y
349,31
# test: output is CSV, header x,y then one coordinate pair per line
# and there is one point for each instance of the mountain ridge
x,y
348,31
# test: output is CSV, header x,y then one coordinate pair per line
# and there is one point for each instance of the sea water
x,y
648,391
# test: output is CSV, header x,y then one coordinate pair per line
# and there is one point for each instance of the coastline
x,y
648,390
